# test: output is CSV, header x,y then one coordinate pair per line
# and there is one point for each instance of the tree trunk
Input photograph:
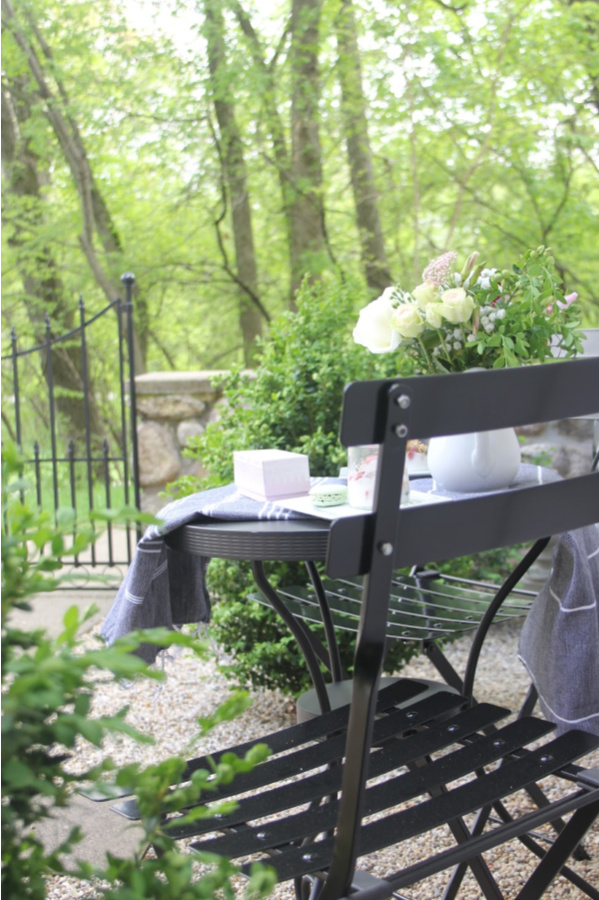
x,y
353,105
235,177
43,289
299,173
268,94
308,241
95,214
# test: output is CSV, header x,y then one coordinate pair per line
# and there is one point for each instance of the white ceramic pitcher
x,y
481,461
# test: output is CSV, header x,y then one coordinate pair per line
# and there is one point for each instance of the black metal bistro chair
x,y
397,763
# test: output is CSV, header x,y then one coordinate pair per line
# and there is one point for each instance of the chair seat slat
x,y
437,811
402,788
400,691
434,738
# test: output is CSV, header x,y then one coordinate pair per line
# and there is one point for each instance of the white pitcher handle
x,y
481,458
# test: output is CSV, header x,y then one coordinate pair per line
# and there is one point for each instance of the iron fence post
x,y
50,382
128,279
15,376
86,407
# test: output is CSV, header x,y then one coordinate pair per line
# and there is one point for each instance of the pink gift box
x,y
271,474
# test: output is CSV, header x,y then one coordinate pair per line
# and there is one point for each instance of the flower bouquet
x,y
475,317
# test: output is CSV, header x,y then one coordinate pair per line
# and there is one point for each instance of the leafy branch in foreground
x,y
46,705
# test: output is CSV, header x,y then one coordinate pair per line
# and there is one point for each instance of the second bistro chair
x,y
396,762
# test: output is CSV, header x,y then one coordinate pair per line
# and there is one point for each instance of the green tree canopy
x,y
477,125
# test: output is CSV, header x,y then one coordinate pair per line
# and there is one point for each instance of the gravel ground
x,y
195,687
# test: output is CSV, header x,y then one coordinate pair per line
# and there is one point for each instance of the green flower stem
x,y
429,361
448,356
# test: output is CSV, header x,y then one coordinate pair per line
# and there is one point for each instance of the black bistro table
x,y
293,540
305,540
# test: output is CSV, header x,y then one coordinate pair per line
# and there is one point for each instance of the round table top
x,y
294,540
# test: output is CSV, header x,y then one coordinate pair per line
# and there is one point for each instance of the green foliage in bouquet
x,y
293,402
46,700
475,317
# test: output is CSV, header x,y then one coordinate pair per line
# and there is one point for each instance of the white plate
x,y
305,505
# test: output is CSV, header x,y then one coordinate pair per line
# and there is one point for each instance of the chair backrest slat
x,y
421,537
474,401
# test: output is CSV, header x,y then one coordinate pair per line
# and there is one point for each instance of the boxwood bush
x,y
293,402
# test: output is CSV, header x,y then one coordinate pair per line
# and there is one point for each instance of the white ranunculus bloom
x,y
375,329
408,320
457,305
425,293
434,315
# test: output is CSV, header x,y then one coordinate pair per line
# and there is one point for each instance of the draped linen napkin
x,y
165,588
559,643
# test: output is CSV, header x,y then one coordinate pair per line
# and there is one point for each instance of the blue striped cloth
x,y
559,643
164,588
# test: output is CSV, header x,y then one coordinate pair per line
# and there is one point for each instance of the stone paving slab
x,y
90,585
103,829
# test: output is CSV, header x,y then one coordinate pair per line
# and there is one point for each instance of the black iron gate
x,y
98,466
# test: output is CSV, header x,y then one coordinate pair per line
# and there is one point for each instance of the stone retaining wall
x,y
566,446
174,406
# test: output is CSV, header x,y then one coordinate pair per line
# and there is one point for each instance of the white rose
x,y
424,294
408,320
456,305
374,328
434,315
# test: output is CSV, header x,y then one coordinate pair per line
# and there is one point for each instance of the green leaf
x,y
65,517
17,774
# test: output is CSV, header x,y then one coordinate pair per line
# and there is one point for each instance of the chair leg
x,y
443,666
554,859
530,701
577,851
457,876
537,796
479,867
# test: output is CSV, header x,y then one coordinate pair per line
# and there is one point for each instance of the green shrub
x,y
293,402
46,696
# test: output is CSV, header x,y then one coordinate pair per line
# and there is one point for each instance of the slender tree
x,y
251,312
308,240
267,82
95,216
299,167
43,292
355,125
